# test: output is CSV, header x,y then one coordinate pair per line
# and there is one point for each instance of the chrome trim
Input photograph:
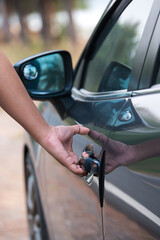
x,y
154,89
84,95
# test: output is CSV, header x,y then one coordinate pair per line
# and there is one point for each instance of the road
x,y
13,222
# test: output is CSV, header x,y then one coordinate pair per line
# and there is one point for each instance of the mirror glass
x,y
44,74
116,77
119,77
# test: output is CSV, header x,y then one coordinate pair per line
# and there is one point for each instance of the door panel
x,y
73,207
134,191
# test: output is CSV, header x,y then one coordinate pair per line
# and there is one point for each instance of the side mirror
x,y
46,75
116,77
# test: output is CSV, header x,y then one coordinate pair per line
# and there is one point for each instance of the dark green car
x,y
115,91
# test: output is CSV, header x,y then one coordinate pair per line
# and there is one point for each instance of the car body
x,y
116,93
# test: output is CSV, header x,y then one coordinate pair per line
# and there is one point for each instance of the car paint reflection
x,y
76,204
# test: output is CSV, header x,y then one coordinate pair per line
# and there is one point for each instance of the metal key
x,y
92,167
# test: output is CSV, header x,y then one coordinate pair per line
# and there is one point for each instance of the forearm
x,y
15,100
144,150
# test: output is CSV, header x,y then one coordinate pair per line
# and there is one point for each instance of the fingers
x,y
79,129
76,169
109,169
85,154
72,163
98,136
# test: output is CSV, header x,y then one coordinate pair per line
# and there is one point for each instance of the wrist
x,y
135,154
131,155
43,134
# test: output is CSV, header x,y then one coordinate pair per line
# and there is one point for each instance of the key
x,y
92,167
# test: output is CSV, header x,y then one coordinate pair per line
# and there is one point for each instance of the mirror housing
x,y
46,75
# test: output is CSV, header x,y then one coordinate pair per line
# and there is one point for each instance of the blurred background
x,y
28,27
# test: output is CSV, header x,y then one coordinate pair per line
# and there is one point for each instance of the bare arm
x,y
15,100
119,154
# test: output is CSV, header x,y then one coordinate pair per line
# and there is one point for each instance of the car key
x,y
92,167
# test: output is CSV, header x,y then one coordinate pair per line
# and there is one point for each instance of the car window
x,y
157,79
110,65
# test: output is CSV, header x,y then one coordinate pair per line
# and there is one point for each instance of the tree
x,y
4,13
20,7
45,7
71,28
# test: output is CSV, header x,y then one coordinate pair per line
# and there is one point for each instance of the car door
x,y
76,210
133,191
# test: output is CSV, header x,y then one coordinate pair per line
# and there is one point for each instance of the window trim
x,y
84,95
141,92
115,11
151,62
106,24
107,20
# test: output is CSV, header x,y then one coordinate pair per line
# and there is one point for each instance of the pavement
x,y
13,221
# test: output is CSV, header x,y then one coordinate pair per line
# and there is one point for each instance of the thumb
x,y
76,169
99,136
79,129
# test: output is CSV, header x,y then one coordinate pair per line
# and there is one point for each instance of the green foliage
x,y
123,42
28,6
76,4
81,4
119,45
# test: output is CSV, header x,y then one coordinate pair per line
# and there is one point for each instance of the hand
x,y
58,143
116,153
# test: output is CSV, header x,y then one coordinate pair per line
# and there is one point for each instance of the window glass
x,y
111,63
157,82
